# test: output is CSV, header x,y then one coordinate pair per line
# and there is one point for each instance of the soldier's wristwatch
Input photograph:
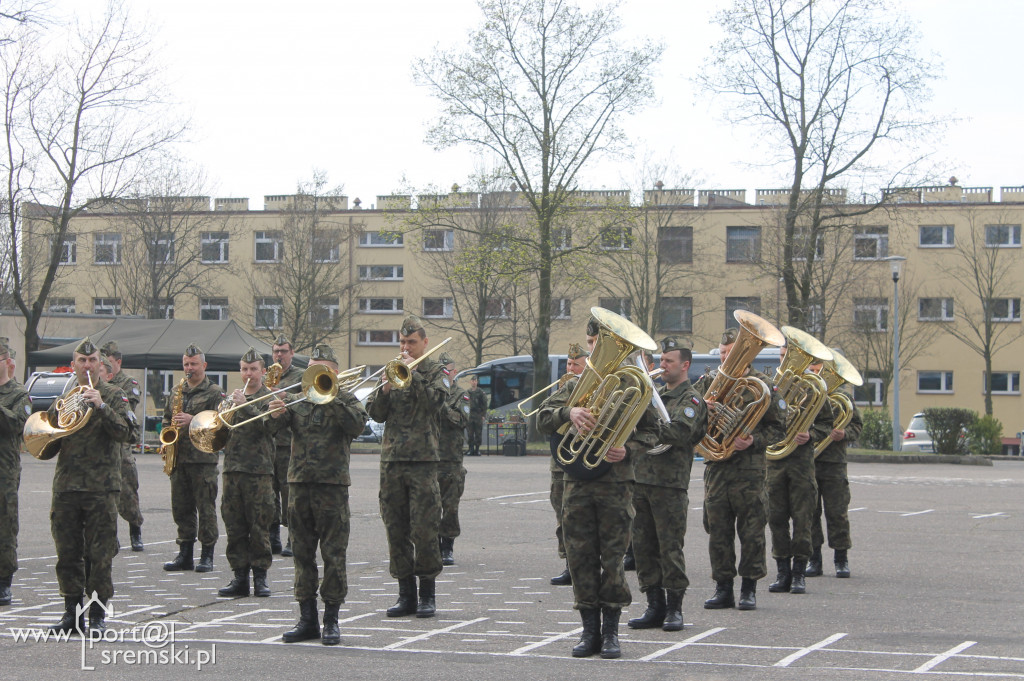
x,y
103,405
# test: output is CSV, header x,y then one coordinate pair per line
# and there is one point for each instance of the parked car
x,y
373,432
46,386
916,437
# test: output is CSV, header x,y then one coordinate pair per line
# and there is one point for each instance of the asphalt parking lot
x,y
936,590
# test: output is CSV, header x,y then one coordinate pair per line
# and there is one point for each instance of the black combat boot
x,y
307,628
406,603
564,579
183,561
70,621
135,534
332,634
784,580
97,618
426,607
723,597
799,585
748,597
259,583
654,615
842,564
275,539
5,591
286,552
610,633
590,639
629,560
238,586
447,550
814,563
205,559
673,611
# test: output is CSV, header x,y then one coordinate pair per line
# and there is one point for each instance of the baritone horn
x,y
836,374
804,393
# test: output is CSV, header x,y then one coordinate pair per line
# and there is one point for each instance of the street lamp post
x,y
896,264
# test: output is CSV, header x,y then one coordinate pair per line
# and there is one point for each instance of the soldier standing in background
x,y
194,480
451,476
247,502
128,501
477,412
15,408
318,511
86,484
410,499
283,355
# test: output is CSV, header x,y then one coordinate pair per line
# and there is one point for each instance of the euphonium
x,y
73,412
805,393
169,434
836,374
740,401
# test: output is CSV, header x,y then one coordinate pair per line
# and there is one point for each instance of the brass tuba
x,y
616,395
804,393
42,438
740,400
169,434
836,374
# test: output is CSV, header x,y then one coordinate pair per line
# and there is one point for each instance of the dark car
x,y
46,386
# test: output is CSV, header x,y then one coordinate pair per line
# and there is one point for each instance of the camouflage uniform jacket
x,y
769,430
130,387
689,420
250,449
90,458
554,414
321,436
204,396
452,421
15,407
477,403
836,451
410,415
290,377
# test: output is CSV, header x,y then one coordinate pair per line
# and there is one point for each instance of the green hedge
x,y
948,428
985,437
877,431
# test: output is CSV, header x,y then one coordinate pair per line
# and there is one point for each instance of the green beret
x,y
192,350
86,347
251,356
576,351
324,352
729,337
282,340
445,359
673,343
410,325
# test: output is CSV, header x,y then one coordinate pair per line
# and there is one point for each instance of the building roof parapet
x,y
241,204
720,198
600,197
775,197
670,197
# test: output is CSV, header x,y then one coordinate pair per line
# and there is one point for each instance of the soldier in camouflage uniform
x,y
477,412
451,476
410,499
247,502
86,484
792,494
660,496
736,498
128,502
318,512
283,355
194,480
15,408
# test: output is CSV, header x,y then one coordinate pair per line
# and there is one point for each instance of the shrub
x,y
985,436
947,427
877,431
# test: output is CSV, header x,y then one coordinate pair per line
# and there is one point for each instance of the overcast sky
x,y
276,90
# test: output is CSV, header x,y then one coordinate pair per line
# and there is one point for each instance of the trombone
x,y
398,373
562,380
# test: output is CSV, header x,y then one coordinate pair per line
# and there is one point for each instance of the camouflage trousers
x,y
194,502
247,507
84,529
792,494
9,523
474,432
735,504
596,521
451,478
282,455
834,499
318,514
659,528
557,494
410,506
128,499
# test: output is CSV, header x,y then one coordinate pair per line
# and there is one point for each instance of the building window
x,y
380,240
219,378
1002,236
161,250
372,369
111,306
326,246
676,314
561,238
498,308
325,313
675,245
381,272
620,306
269,313
934,381
165,308
871,243
438,239
213,309
381,305
616,239
438,308
106,249
167,382
561,308
64,305
69,250
1005,383
935,309
871,392
936,236
815,319
374,337
802,245
269,246
742,244
749,303
1005,309
214,247
871,314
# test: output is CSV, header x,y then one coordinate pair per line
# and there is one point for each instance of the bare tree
x,y
542,85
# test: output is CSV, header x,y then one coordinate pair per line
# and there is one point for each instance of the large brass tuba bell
x,y
836,374
805,393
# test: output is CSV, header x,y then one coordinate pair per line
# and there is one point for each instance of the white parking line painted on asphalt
x,y
543,642
1000,514
433,632
790,659
513,496
939,659
681,644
